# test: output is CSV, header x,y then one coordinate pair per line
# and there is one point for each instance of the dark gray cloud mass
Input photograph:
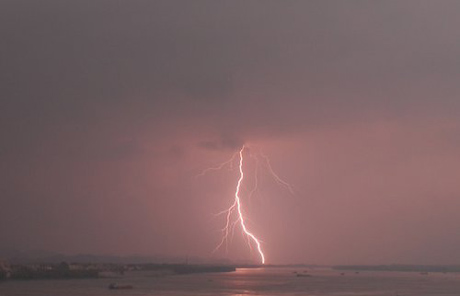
x,y
108,109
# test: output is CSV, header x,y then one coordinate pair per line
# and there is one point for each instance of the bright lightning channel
x,y
236,206
240,214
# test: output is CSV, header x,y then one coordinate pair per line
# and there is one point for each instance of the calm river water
x,y
263,281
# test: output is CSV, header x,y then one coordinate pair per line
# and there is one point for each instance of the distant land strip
x,y
400,267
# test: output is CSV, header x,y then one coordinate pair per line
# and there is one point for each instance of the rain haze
x,y
110,109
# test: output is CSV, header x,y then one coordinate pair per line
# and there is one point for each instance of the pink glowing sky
x,y
109,109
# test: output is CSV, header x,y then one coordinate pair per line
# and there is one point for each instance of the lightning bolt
x,y
256,179
277,179
236,206
219,167
240,214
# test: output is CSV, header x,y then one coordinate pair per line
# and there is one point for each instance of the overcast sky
x,y
109,109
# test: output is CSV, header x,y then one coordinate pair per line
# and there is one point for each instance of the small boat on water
x,y
302,275
114,286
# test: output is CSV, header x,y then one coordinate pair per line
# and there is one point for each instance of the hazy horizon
x,y
46,256
110,110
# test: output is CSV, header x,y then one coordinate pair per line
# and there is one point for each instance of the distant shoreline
x,y
93,270
400,267
97,270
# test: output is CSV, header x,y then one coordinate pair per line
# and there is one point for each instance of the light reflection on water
x,y
248,282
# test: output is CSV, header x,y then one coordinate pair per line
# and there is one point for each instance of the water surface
x,y
262,281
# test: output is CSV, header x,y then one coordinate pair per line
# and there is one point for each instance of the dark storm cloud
x,y
286,64
102,103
